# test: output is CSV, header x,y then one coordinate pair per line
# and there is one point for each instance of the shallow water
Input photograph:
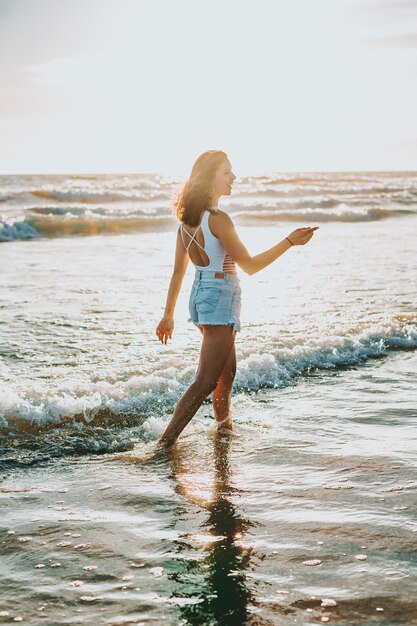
x,y
218,532
320,467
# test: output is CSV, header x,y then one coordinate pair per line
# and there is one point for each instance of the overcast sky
x,y
146,85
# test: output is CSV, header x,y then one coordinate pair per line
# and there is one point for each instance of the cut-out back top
x,y
219,259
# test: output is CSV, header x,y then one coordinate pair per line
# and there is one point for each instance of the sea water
x,y
306,512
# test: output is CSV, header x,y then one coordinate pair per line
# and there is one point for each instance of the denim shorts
x,y
215,301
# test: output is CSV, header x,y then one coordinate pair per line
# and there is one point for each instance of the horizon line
x,y
306,171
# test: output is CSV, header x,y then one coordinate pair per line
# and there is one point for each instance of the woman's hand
x,y
300,236
165,329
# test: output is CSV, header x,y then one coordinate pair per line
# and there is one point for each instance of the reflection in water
x,y
217,580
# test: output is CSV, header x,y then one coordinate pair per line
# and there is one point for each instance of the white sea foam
x,y
156,394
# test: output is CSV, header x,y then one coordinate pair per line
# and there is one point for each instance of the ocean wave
x,y
53,226
334,192
64,222
341,213
93,196
330,191
141,397
18,231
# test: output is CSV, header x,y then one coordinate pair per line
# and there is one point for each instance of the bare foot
x,y
143,453
226,424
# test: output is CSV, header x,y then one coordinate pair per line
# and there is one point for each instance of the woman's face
x,y
223,180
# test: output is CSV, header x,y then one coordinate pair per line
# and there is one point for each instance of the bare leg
x,y
222,395
215,349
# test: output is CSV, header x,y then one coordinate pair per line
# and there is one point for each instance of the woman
x,y
207,236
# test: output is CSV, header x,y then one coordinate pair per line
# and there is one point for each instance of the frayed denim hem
x,y
234,325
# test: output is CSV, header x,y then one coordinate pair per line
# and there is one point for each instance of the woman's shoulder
x,y
221,215
219,220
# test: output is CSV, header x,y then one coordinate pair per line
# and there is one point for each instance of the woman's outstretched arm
x,y
222,227
165,327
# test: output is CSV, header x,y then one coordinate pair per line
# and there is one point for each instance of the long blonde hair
x,y
196,194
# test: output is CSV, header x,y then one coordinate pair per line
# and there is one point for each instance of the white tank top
x,y
219,259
